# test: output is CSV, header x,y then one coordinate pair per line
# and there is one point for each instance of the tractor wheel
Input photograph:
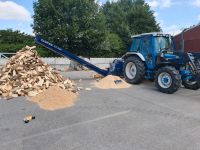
x,y
168,80
134,70
193,85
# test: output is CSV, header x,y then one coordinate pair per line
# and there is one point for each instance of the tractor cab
x,y
154,47
158,41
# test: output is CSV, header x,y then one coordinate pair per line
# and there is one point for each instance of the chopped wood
x,y
26,74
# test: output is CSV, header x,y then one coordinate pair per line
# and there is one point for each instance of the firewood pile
x,y
26,74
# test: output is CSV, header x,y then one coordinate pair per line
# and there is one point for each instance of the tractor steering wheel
x,y
164,50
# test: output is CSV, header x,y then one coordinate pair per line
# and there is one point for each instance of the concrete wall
x,y
63,63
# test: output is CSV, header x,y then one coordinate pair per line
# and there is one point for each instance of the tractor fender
x,y
128,54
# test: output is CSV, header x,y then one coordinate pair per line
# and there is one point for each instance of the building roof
x,y
188,29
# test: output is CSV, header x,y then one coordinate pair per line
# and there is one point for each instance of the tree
x,y
76,25
12,41
112,46
117,22
129,17
141,19
85,28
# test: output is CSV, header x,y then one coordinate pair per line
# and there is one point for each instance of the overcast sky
x,y
173,15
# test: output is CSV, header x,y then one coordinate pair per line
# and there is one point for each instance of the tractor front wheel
x,y
193,85
134,70
168,80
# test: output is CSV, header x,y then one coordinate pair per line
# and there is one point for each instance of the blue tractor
x,y
152,56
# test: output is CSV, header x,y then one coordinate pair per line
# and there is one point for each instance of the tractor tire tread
x,y
192,87
140,70
176,78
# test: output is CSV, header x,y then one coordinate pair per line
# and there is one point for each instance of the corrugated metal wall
x,y
191,38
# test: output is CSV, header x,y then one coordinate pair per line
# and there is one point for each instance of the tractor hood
x,y
170,56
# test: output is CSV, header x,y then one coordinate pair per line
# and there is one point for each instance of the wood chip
x,y
32,93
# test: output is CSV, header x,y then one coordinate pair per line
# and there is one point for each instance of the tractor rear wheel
x,y
193,85
168,80
134,70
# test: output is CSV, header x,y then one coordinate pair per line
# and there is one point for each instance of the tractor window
x,y
146,43
136,45
146,48
163,43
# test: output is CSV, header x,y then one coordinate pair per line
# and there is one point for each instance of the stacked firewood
x,y
26,74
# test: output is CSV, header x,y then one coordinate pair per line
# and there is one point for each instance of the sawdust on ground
x,y
109,82
54,98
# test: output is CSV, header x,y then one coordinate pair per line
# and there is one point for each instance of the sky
x,y
172,15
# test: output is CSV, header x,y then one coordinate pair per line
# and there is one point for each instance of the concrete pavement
x,y
137,118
